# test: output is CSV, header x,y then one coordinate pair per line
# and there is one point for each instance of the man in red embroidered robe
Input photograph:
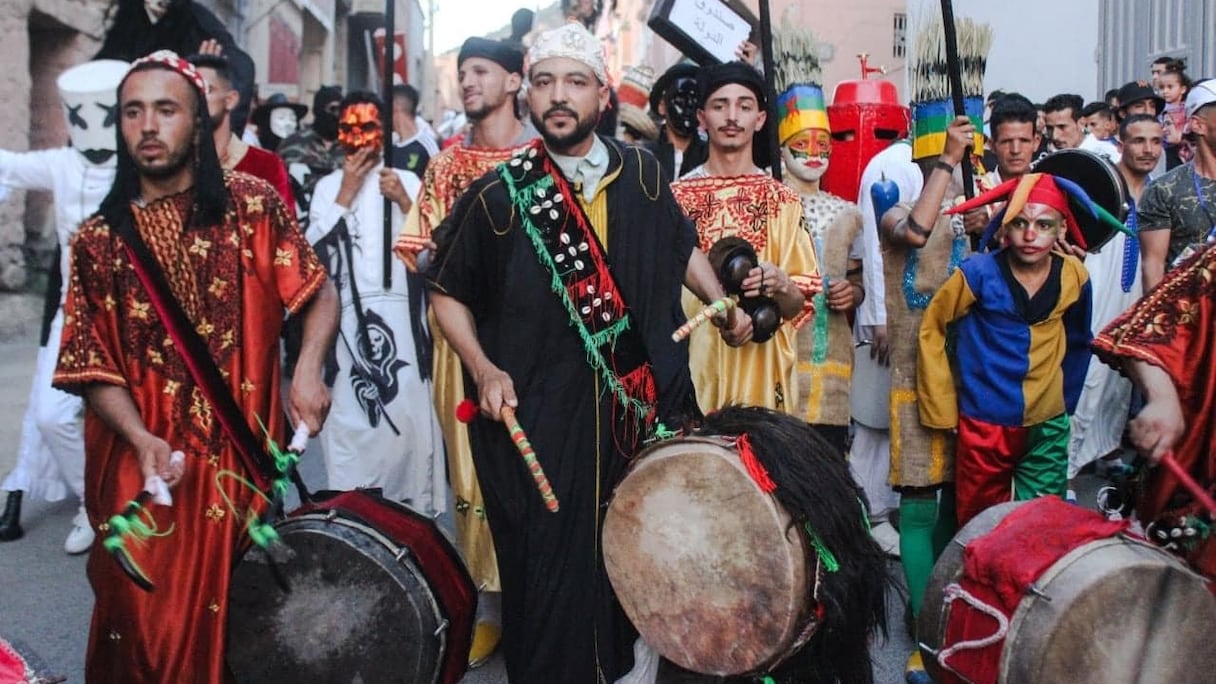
x,y
557,281
236,261
1165,344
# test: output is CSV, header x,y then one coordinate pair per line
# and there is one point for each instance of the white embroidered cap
x,y
571,40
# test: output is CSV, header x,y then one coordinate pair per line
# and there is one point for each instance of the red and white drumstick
x,y
1188,482
713,309
467,410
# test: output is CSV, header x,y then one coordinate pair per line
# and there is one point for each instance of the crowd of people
x,y
540,263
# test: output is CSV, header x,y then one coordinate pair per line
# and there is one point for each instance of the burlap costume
x,y
920,456
825,344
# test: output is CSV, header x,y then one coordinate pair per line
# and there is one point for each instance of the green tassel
x,y
521,198
829,561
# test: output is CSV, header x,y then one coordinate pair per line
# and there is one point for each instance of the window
x,y
899,40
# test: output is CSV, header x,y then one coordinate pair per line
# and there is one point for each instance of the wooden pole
x,y
386,122
955,69
770,86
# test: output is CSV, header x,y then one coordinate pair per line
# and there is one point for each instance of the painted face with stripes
x,y
807,153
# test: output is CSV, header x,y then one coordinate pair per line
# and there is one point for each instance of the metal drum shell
x,y
375,593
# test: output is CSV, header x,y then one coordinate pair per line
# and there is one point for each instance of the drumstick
x,y
525,449
712,309
1188,482
467,410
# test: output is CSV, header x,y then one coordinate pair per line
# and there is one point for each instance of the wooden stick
x,y
712,309
770,74
955,68
1188,482
525,449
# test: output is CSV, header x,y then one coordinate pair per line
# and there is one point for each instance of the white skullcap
x,y
573,41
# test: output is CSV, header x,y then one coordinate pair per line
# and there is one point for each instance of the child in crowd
x,y
1173,84
1020,333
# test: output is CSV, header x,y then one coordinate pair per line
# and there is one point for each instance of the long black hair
x,y
210,193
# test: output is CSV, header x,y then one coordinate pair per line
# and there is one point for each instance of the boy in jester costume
x,y
921,249
1021,322
825,346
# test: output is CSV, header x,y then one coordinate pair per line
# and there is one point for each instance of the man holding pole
x,y
382,430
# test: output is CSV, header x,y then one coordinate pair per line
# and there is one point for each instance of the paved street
x,y
45,600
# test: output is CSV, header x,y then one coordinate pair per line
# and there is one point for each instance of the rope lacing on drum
x,y
955,591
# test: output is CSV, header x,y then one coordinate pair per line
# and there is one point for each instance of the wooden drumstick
x,y
467,410
1188,482
525,449
712,309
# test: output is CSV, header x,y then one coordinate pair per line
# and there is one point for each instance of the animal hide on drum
x,y
814,486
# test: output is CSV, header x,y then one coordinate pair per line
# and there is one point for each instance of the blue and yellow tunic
x,y
1020,360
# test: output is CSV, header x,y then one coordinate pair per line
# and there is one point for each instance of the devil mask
x,y
359,127
89,93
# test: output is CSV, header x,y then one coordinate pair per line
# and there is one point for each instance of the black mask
x,y
681,101
325,112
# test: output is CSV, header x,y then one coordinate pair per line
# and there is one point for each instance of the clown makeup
x,y
806,154
359,127
283,121
1031,234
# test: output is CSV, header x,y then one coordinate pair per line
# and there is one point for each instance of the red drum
x,y
1044,591
371,591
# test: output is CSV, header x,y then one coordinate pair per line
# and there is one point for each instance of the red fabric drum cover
x,y
1045,591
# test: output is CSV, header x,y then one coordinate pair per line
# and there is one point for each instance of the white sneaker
x,y
80,539
887,538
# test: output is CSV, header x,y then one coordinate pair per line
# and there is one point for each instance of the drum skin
x,y
1116,610
358,605
704,562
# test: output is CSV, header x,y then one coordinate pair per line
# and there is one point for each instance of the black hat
x,y
507,55
261,116
668,79
1139,90
714,76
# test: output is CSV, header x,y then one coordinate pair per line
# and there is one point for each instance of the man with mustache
x,y
727,197
491,74
556,280
1114,270
232,256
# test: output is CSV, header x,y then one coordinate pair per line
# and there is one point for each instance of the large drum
x,y
1112,609
743,550
370,591
703,561
1100,180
